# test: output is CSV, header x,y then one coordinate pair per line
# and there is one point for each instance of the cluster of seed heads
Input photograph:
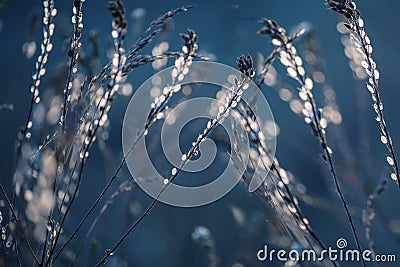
x,y
245,64
277,187
45,48
363,46
73,53
178,73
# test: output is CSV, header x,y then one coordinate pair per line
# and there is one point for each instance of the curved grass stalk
x,y
363,45
312,114
245,64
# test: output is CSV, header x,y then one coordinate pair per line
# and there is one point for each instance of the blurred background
x,y
238,223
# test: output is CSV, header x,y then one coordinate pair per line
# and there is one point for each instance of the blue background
x,y
226,29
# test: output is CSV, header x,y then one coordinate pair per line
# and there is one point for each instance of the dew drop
x,y
384,139
276,42
49,47
390,161
114,34
370,89
303,96
302,226
361,23
366,39
364,64
174,73
301,71
284,61
160,115
109,252
309,83
369,49
376,74
298,61
324,123
177,88
308,106
291,72
174,171
42,72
